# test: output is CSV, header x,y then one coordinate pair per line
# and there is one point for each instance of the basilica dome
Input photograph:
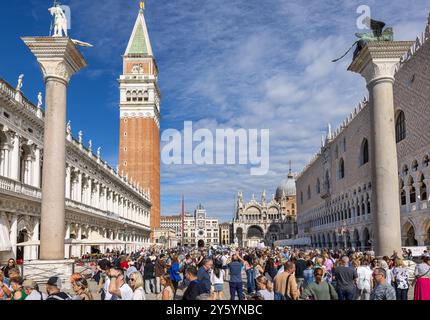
x,y
287,187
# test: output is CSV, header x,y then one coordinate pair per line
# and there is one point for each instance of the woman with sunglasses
x,y
136,284
11,264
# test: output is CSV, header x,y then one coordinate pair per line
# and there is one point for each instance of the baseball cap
x,y
55,282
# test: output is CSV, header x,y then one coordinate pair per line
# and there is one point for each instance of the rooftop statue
x,y
378,33
20,82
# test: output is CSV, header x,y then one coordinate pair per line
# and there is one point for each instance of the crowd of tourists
x,y
247,274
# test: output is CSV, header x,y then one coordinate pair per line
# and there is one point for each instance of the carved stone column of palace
x,y
377,63
59,60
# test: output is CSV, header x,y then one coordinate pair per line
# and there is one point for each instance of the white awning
x,y
294,242
5,244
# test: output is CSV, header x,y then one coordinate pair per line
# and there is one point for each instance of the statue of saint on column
x,y
60,20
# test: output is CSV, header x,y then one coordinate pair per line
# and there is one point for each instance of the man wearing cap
x,y
53,288
32,290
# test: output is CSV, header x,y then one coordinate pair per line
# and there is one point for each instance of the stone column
x,y
67,236
68,182
59,60
79,188
37,167
377,63
35,237
14,159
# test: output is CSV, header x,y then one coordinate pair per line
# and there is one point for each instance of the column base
x,y
41,270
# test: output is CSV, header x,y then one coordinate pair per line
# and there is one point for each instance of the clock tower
x,y
139,154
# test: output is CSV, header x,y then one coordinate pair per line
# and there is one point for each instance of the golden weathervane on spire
x,y
142,5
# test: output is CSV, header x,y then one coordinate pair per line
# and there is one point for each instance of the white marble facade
x,y
101,205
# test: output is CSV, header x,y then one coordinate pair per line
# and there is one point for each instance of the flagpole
x,y
183,219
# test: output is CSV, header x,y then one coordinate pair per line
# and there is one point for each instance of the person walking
x,y
175,273
300,268
383,289
194,288
308,274
319,289
345,277
285,283
149,276
401,282
204,276
217,280
422,280
364,280
159,271
235,269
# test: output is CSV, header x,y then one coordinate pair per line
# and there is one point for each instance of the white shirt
x,y
215,279
138,294
36,296
126,292
267,295
106,289
364,277
224,260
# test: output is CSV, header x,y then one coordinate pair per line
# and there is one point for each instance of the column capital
x,y
379,60
58,57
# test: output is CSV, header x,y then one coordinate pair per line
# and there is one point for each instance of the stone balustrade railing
x,y
20,188
7,90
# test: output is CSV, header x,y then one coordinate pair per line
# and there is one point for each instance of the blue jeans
x,y
345,294
250,283
236,287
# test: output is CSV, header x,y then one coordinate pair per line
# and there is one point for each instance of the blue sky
x,y
223,64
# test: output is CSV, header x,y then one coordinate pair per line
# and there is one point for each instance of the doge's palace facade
x,y
102,207
335,188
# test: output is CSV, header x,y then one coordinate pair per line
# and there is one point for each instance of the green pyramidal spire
x,y
139,43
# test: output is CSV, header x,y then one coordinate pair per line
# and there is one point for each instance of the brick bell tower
x,y
139,154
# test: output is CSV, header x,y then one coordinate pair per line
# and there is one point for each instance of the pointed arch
x,y
364,152
400,126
